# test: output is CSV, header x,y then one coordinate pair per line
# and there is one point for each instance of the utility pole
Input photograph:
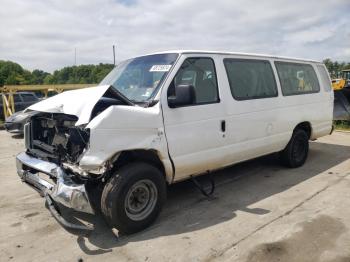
x,y
114,55
75,56
75,64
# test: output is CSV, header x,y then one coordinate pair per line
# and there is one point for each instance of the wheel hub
x,y
141,199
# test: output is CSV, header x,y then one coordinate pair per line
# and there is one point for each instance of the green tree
x,y
13,74
38,77
49,80
335,68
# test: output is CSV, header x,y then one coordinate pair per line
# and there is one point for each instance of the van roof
x,y
235,53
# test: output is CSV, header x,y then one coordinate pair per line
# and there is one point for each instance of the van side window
x,y
326,81
199,72
250,79
296,78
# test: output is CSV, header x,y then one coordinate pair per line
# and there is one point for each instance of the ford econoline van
x,y
162,118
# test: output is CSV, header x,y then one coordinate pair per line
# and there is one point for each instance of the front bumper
x,y
64,191
14,127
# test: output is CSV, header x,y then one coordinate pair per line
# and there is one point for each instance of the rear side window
x,y
326,82
297,79
17,98
250,79
28,97
199,72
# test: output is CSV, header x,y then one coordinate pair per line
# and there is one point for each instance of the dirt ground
x,y
261,212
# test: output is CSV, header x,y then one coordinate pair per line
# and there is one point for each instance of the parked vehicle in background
x,y
41,95
21,100
166,117
15,123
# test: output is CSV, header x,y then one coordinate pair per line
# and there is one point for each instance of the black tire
x,y
129,188
296,152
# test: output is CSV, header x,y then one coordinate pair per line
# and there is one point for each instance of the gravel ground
x,y
261,212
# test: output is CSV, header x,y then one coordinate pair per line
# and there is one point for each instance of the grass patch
x,y
342,125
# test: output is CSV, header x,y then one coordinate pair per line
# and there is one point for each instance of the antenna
x,y
75,64
75,56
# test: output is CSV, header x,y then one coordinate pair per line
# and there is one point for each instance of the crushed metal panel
x,y
79,103
121,128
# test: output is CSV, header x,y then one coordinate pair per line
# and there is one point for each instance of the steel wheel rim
x,y
141,199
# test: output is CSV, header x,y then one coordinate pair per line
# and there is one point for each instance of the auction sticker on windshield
x,y
160,68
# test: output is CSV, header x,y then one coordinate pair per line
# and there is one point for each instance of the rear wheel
x,y
296,152
132,199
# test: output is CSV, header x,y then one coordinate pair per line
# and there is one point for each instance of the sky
x,y
44,34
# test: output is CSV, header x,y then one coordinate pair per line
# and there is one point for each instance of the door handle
x,y
223,125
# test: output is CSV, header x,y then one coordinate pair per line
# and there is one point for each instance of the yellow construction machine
x,y
341,87
342,81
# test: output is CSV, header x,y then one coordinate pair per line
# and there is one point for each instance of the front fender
x,y
124,128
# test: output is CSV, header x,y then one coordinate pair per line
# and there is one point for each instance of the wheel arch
x,y
150,156
306,126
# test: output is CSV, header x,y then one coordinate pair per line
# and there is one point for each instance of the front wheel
x,y
132,199
295,153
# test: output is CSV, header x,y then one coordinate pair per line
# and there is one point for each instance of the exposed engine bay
x,y
56,138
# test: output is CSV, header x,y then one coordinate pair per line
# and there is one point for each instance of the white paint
x,y
121,128
253,127
192,134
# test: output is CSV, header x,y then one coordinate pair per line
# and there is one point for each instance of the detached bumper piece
x,y
64,191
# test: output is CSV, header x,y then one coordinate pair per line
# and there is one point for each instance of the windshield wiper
x,y
122,97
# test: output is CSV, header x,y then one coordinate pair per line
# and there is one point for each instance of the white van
x,y
166,117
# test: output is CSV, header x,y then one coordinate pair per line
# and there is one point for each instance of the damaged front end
x,y
76,140
56,138
50,164
57,187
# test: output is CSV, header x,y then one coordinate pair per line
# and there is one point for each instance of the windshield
x,y
139,78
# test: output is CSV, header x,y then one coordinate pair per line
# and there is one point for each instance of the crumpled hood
x,y
78,102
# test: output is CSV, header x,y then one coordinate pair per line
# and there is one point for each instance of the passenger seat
x,y
205,91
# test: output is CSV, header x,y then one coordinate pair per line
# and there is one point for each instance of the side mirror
x,y
184,95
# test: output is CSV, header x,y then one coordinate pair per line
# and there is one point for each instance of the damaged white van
x,y
166,117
